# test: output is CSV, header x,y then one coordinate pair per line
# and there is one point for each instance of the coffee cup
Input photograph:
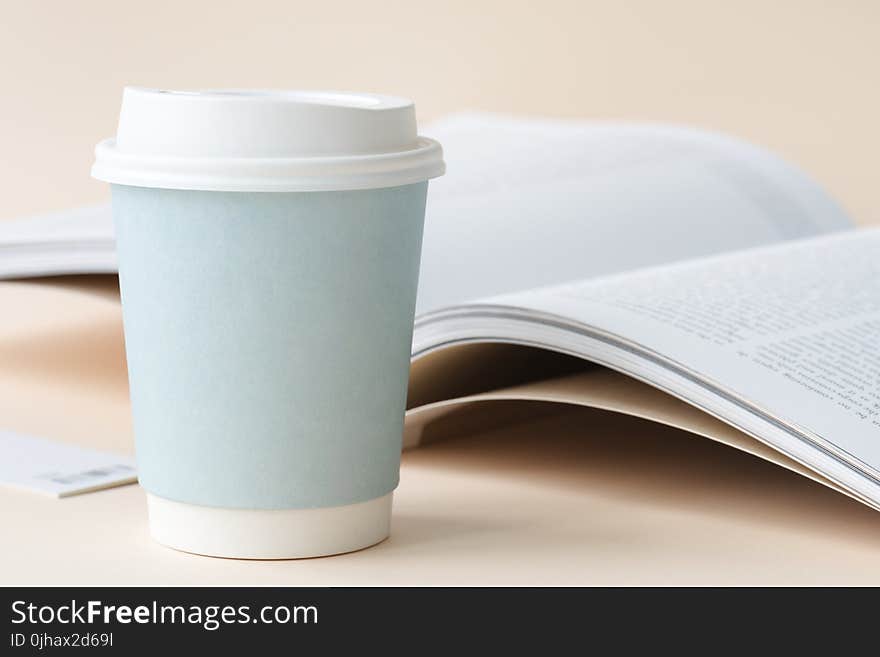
x,y
269,247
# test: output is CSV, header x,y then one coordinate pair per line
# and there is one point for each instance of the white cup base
x,y
269,533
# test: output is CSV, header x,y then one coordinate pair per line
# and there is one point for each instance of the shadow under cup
x,y
268,341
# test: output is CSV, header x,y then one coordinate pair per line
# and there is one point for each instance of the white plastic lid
x,y
265,141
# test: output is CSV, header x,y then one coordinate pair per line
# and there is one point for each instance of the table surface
x,y
570,497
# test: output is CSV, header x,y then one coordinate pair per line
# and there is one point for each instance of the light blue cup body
x,y
268,340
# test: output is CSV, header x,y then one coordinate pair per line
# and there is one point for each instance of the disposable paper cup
x,y
269,249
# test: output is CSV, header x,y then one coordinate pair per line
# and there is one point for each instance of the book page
x,y
78,241
527,203
598,388
793,329
91,223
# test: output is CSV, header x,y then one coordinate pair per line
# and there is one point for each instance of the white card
x,y
60,469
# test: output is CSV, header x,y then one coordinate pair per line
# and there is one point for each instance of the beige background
x,y
799,76
573,498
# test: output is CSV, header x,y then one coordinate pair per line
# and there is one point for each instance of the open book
x,y
656,271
